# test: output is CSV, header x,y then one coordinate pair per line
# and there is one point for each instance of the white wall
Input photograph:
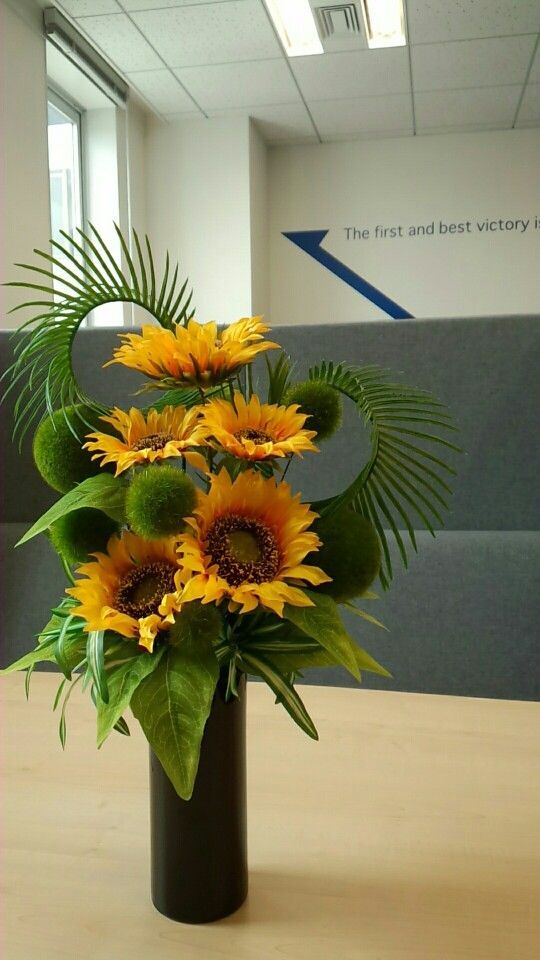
x,y
409,181
23,135
258,198
198,207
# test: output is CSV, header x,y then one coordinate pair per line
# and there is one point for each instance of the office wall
x,y
24,195
415,189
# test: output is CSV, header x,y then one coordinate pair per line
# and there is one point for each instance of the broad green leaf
x,y
172,705
282,688
103,492
365,616
122,681
322,622
196,623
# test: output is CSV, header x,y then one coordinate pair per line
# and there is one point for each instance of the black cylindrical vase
x,y
199,846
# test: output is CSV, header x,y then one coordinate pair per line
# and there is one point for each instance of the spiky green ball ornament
x,y
322,404
158,499
58,455
350,554
80,533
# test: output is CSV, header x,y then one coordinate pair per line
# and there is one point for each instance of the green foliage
x,y
84,276
401,482
95,655
63,637
350,553
173,703
78,534
57,447
284,690
279,374
322,404
323,623
122,681
158,499
102,492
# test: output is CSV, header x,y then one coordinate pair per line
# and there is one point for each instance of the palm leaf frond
x,y
401,486
81,275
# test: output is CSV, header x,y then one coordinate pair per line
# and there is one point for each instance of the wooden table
x,y
410,832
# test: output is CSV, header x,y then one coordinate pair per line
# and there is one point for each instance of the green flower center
x,y
154,441
257,436
142,589
244,550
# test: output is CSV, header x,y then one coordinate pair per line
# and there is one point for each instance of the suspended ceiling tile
x,y
89,8
245,84
462,128
530,106
450,108
442,20
392,113
222,32
278,123
471,63
336,76
162,90
535,71
116,36
157,4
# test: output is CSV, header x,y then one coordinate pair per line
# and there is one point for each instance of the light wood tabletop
x,y
409,832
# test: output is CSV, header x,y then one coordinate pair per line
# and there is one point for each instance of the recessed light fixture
x,y
295,24
385,23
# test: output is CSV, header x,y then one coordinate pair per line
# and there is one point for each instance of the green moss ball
x,y
322,404
158,499
350,554
81,533
59,457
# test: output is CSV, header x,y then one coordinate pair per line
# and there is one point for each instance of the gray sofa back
x,y
463,619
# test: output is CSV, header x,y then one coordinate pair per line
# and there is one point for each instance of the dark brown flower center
x,y
258,436
154,441
142,589
244,550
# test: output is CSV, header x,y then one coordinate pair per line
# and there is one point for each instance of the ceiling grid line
x,y
526,81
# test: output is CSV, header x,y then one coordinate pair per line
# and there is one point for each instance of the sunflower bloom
x,y
195,354
132,589
248,539
144,439
255,431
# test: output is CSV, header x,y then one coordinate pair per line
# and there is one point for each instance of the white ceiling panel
x,y
363,115
130,5
535,71
530,107
278,123
116,36
471,63
90,8
222,32
336,76
162,90
451,108
226,85
432,21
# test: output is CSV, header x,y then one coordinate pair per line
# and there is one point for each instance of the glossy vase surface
x,y
199,846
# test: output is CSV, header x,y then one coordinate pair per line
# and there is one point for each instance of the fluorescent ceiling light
x,y
385,23
295,24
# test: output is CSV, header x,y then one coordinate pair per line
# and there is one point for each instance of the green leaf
x,y
122,681
196,623
365,615
282,688
96,663
103,492
42,653
172,704
323,623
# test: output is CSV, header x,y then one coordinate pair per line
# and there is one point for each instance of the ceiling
x,y
468,65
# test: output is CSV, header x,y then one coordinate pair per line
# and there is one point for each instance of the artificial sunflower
x,y
194,354
132,589
255,430
248,539
146,438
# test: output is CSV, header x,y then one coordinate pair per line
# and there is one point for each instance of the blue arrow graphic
x,y
310,242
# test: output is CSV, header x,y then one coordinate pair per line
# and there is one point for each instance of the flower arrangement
x,y
189,559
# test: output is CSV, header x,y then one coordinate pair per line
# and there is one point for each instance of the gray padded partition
x,y
464,618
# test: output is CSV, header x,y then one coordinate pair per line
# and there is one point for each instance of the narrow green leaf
x,y
365,615
323,623
122,681
96,663
282,688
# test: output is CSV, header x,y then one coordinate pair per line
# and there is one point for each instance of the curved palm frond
x,y
400,485
83,276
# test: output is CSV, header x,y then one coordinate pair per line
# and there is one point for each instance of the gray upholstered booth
x,y
464,618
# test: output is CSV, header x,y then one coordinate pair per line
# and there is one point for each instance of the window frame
x,y
76,115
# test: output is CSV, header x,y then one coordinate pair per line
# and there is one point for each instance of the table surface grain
x,y
409,832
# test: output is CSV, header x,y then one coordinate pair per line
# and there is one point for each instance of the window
x,y
65,177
